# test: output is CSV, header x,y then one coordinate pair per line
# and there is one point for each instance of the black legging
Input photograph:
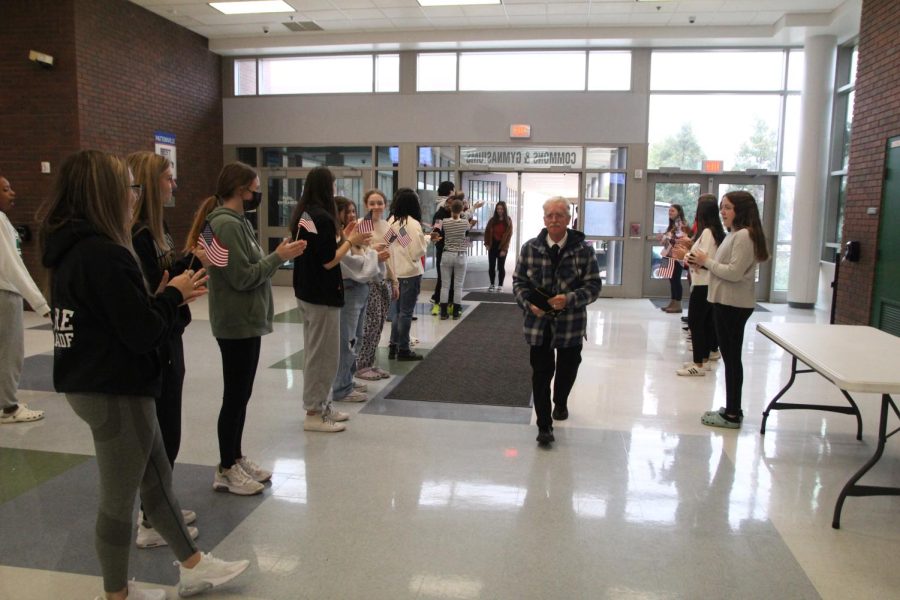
x,y
675,281
730,322
239,361
496,264
700,322
168,405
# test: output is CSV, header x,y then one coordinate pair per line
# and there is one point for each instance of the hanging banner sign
x,y
525,157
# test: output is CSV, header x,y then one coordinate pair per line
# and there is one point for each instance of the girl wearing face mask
x,y
383,288
497,235
240,312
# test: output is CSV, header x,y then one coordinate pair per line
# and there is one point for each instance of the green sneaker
x,y
435,309
715,419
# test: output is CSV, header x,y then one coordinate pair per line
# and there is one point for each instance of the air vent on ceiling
x,y
302,26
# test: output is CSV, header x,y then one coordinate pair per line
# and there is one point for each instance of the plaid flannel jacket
x,y
577,276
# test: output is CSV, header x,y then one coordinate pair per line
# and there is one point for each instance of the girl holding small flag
x,y
240,311
319,289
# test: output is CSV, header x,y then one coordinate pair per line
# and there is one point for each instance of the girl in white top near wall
x,y
15,283
732,294
700,320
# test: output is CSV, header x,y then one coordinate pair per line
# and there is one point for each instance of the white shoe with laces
x,y
691,371
147,537
254,471
236,481
210,572
354,396
322,422
360,387
688,364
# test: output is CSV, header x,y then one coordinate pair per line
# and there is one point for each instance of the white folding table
x,y
854,358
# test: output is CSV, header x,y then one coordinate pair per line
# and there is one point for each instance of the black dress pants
x,y
545,362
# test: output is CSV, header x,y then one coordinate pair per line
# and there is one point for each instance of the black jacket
x,y
314,283
106,326
154,263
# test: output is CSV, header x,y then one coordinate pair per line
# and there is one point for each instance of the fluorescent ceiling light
x,y
455,2
252,7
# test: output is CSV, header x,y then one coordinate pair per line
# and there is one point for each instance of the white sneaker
x,y
147,537
691,371
691,363
236,481
354,396
210,572
336,415
252,469
322,422
360,387
492,289
715,355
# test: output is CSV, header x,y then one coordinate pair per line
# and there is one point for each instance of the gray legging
x,y
131,457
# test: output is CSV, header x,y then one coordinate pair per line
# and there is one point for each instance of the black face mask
x,y
254,202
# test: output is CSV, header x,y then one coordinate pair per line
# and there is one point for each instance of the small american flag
x,y
390,236
666,268
403,237
307,222
438,225
216,252
366,225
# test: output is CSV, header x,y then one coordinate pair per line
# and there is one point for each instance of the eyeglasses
x,y
137,189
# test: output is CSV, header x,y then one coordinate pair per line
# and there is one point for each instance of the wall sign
x,y
165,146
523,157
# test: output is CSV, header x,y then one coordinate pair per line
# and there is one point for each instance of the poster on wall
x,y
165,146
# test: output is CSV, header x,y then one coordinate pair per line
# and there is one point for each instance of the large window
x,y
840,151
332,74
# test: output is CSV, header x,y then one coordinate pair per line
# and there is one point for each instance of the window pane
x,y
667,194
854,57
437,156
247,155
316,75
387,73
606,158
782,267
609,70
785,209
716,70
791,134
609,257
604,204
245,77
436,72
842,199
387,182
502,71
796,69
388,156
326,156
739,130
283,194
848,126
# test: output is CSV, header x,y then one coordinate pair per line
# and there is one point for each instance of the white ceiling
x,y
402,24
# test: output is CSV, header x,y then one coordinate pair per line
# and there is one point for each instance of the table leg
x,y
762,428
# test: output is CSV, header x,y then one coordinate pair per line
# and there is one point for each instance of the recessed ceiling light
x,y
455,2
252,7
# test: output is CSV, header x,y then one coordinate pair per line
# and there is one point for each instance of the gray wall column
x,y
820,53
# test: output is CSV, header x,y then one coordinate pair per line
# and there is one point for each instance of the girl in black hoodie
x,y
107,328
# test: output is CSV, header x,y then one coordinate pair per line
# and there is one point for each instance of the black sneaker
x,y
545,436
392,351
409,356
560,413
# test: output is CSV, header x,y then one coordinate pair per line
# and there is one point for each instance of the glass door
x,y
281,189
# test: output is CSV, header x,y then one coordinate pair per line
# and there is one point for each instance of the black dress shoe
x,y
545,436
392,352
560,413
409,356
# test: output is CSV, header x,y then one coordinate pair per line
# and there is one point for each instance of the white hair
x,y
558,200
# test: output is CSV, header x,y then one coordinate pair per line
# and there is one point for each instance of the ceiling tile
x,y
526,9
403,13
359,14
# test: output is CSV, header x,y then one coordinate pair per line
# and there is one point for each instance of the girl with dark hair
x,y
497,236
406,253
240,312
700,320
670,238
732,294
107,327
319,289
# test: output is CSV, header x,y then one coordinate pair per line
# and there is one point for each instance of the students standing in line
x,y
107,326
319,289
156,252
406,254
670,238
700,318
497,236
240,311
15,283
732,294
453,267
382,289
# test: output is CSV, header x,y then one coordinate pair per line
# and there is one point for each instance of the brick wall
x,y
139,73
120,73
37,106
876,117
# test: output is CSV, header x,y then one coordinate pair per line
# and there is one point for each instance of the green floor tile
x,y
289,316
21,470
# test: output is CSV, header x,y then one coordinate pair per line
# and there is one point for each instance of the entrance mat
x,y
661,302
483,360
490,297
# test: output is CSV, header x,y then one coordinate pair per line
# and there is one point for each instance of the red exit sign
x,y
520,131
713,166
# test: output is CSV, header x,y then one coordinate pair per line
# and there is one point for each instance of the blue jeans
x,y
453,268
406,304
355,297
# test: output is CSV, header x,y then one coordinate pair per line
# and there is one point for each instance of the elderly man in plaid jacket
x,y
556,277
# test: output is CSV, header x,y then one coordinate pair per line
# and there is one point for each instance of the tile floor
x,y
636,500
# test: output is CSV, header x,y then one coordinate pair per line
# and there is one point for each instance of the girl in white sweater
x,y
732,294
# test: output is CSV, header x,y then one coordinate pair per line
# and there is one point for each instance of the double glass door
x,y
281,190
684,189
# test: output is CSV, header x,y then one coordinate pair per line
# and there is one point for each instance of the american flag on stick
x,y
366,225
390,236
307,223
216,252
666,268
403,237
